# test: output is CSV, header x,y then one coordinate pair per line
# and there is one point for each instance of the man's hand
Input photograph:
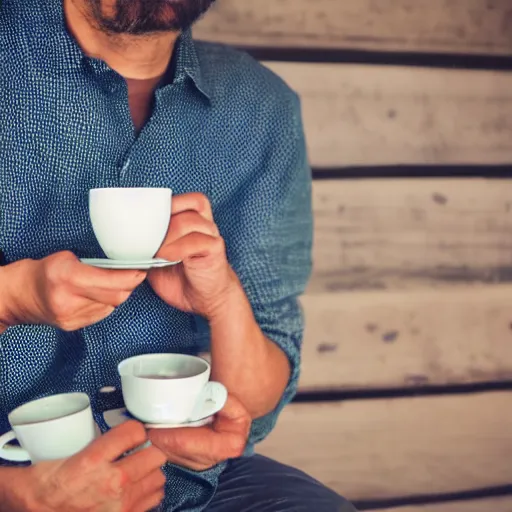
x,y
200,283
95,480
203,447
62,292
249,364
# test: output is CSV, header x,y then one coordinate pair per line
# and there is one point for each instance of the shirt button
x,y
126,165
107,390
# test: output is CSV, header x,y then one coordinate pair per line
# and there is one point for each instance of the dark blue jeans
x,y
258,484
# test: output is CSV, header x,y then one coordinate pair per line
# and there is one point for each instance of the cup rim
x,y
148,356
44,398
136,189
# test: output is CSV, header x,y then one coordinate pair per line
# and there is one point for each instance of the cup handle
x,y
212,399
13,453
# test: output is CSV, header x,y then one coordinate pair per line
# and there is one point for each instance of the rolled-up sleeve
x,y
274,262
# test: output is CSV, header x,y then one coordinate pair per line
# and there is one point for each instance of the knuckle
x,y
58,264
135,432
213,230
139,276
246,424
86,464
121,297
62,320
67,325
202,200
207,462
66,256
158,456
151,483
59,269
54,273
179,225
59,302
116,483
155,501
237,446
219,244
56,485
159,479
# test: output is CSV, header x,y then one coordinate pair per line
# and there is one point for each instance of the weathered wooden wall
x,y
385,115
406,381
456,26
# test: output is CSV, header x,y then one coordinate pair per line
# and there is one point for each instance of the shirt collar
x,y
188,65
58,51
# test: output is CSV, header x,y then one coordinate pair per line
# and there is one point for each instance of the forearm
x,y
252,367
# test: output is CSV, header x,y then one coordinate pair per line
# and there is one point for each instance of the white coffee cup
x,y
130,223
169,388
55,427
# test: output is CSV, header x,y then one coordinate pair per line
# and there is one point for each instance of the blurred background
x,y
406,390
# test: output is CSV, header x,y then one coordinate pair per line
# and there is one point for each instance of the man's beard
x,y
139,17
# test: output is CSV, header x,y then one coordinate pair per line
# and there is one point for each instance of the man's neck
x,y
138,57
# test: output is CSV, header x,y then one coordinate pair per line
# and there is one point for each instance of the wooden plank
x,y
410,233
456,26
479,505
404,340
389,115
399,447
407,339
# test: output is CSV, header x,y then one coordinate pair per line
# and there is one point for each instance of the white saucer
x,y
115,417
128,264
199,423
203,414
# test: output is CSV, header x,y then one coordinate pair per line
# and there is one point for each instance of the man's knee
x,y
305,498
263,485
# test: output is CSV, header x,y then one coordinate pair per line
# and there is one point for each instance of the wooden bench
x,y
406,389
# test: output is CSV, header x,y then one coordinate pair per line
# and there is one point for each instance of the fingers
x,y
194,202
87,277
202,447
110,446
193,245
150,502
65,268
184,445
189,222
88,315
192,232
233,418
199,448
113,298
195,465
152,483
147,491
140,464
182,225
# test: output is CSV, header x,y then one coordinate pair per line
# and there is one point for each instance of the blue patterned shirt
x,y
224,125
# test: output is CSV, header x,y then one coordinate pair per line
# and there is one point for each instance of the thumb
x,y
233,418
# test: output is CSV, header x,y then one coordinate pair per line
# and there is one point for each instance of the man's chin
x,y
143,17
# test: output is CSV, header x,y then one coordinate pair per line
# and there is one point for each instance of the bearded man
x,y
115,93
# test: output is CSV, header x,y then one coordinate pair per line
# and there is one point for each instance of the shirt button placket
x,y
124,169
